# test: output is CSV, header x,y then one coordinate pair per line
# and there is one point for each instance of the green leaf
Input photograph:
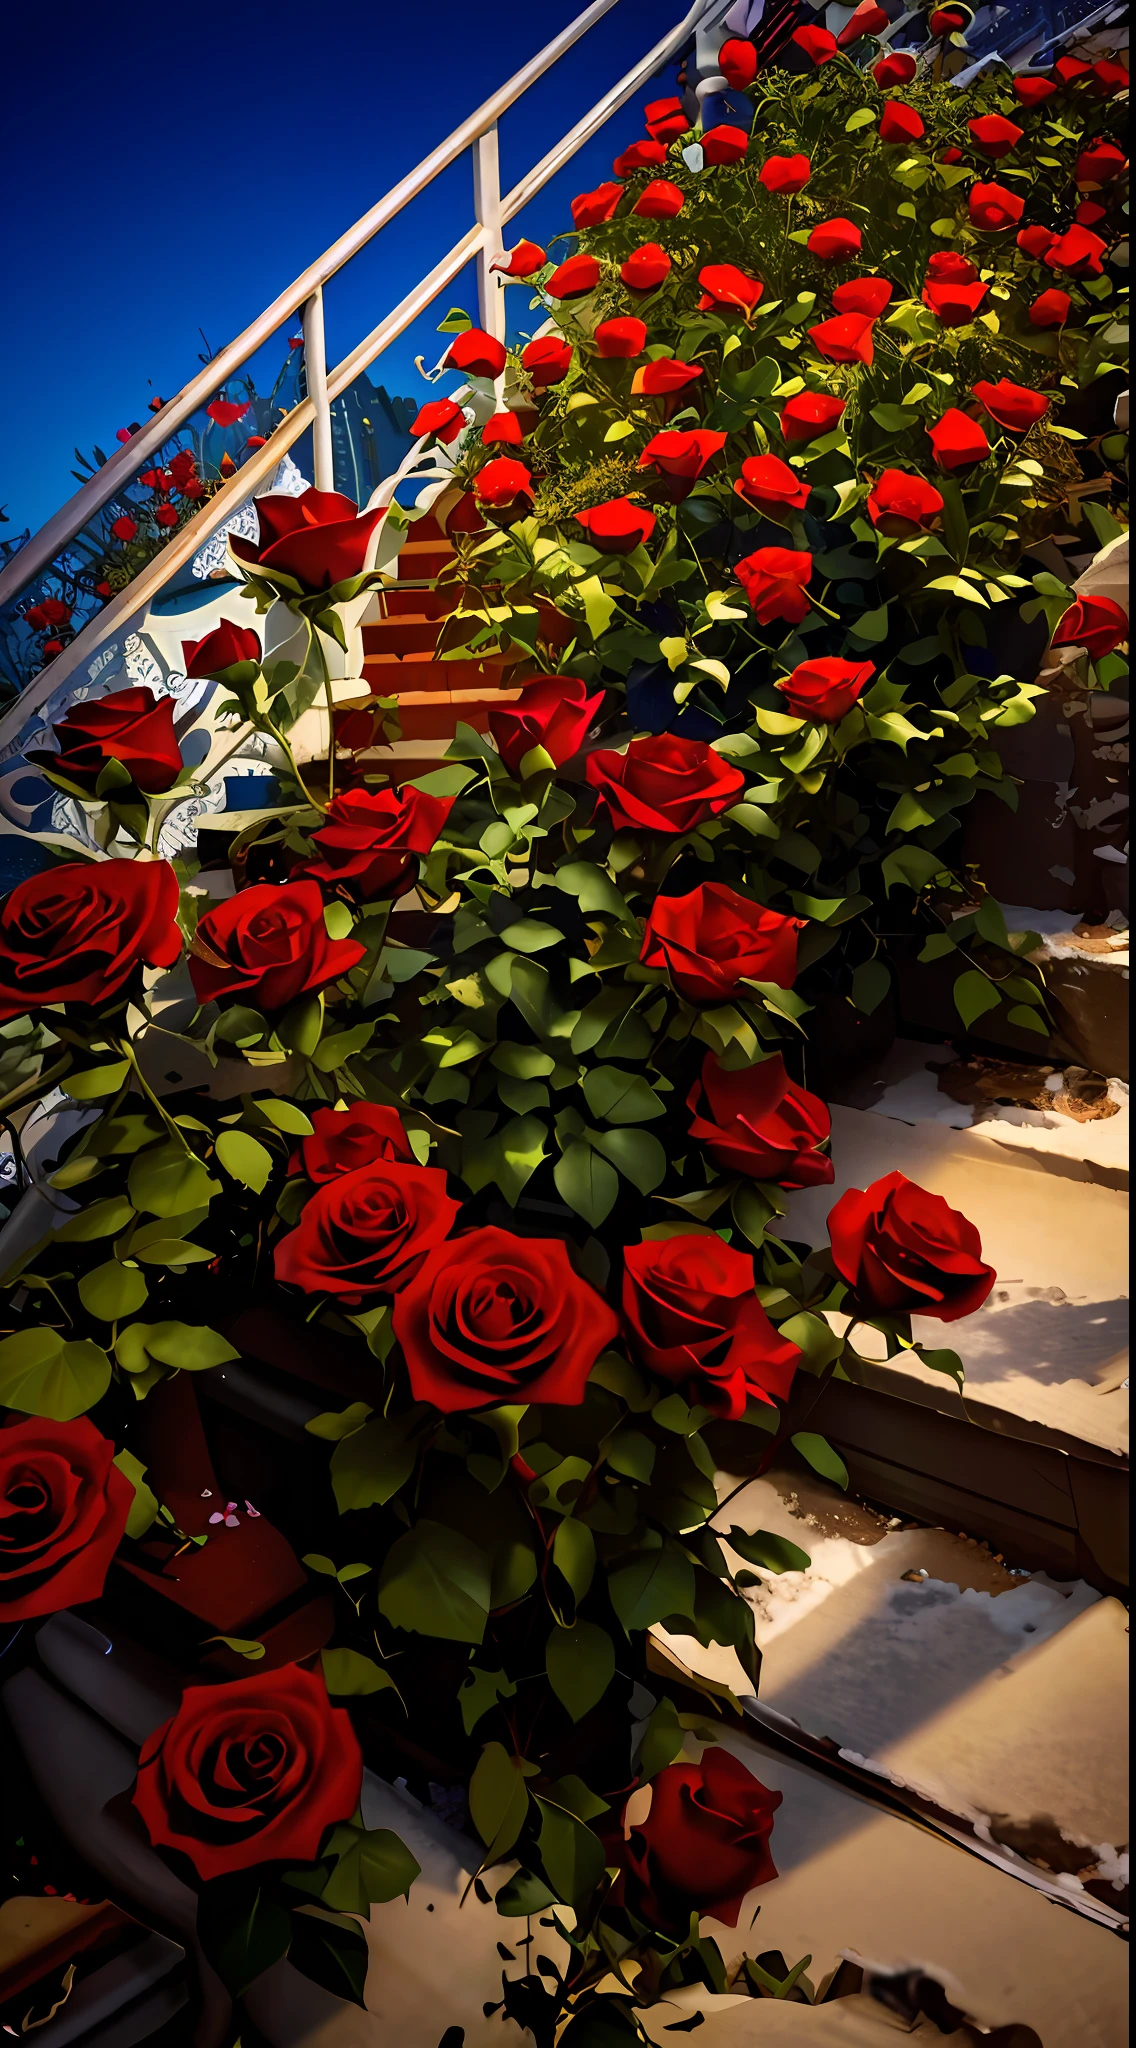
x,y
285,1116
336,1423
974,994
436,1582
102,1219
580,1662
620,1098
340,1046
522,1896
870,627
574,1554
242,1646
191,1347
498,1799
586,1182
528,935
942,1361
166,1181
373,1866
650,1585
632,1454
638,1155
871,982
821,1456
479,1692
370,1464
245,1158
812,1334
333,1953
447,781
112,1290
242,1928
572,1855
95,1081
348,1672
1027,1020
593,889
300,1026
662,1739
773,1553
145,1504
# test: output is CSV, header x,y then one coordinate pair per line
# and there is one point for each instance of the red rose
x,y
724,144
618,527
124,529
870,295
904,1251
663,784
1098,624
785,174
254,1771
183,467
723,284
63,1510
555,713
705,1842
660,200
574,278
55,612
645,268
950,156
441,417
1100,164
847,339
665,120
476,353
590,208
367,1232
1088,214
77,933
342,1140
1032,91
494,1317
103,590
775,581
226,411
1069,69
220,650
504,430
865,20
769,483
523,261
547,360
956,305
737,63
268,944
898,501
994,135
166,515
834,241
1012,405
659,379
1079,251
948,21
947,266
896,68
810,414
1036,241
825,689
502,482
711,939
758,1122
315,540
132,727
682,456
900,123
51,648
691,1314
816,43
1051,309
992,207
1109,78
639,156
369,840
621,338
958,442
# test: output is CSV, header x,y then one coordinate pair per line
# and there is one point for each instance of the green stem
x,y
282,743
315,641
36,1084
129,1054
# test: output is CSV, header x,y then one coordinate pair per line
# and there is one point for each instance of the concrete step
x,y
424,557
406,633
389,673
430,604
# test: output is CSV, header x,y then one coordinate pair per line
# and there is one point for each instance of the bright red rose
x,y
1078,251
590,208
898,501
254,1771
623,338
574,279
810,414
220,650
502,482
906,1252
316,540
1032,91
555,713
1109,78
441,417
994,135
758,1122
769,483
950,156
1011,405
124,529
847,339
992,207
1035,241
724,144
711,939
704,1844
645,268
865,20
659,379
77,933
63,1510
958,442
816,43
342,1140
366,1233
225,412
132,727
737,63
948,21
639,156
825,689
692,1316
1069,69
166,515
51,648
618,527
679,455
504,430
900,123
1051,309
834,241
870,295
1101,164
896,68
663,784
547,360
660,200
956,305
785,174
476,354
495,1318
268,945
665,120
103,590
723,284
775,581
183,467
369,840
523,261
1098,624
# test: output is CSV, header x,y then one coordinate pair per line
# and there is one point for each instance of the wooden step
x,y
388,674
406,633
424,557
430,604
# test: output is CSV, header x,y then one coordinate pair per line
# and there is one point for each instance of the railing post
x,y
315,368
487,211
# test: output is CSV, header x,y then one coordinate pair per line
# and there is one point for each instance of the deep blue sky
x,y
170,168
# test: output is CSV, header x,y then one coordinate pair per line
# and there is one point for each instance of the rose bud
x,y
692,1316
663,784
1032,91
504,430
1078,251
992,207
834,241
124,528
810,414
523,261
775,581
555,713
440,417
1070,69
639,156
221,650
618,527
645,268
770,484
476,353
1051,309
724,144
900,123
866,20
665,120
704,1844
958,441
368,841
785,174
267,945
737,63
1100,164
1098,624
502,482
681,456
621,339
655,380
994,135
898,501
825,689
1036,241
1013,406
950,156
590,208
1088,214
904,1251
870,295
712,938
132,727
341,1140
847,339
723,284
896,68
956,305
660,200
574,279
547,360
816,43
365,1234
947,21
1109,78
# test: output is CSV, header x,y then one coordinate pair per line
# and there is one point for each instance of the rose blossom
x,y
78,932
664,784
268,945
712,938
757,1121
692,1316
905,1251
63,1510
366,1232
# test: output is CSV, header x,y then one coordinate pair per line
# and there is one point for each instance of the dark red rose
x,y
1109,78
548,360
705,1842
226,411
1032,91
785,174
1050,309
618,527
78,932
370,838
658,379
865,20
1012,405
906,1252
896,68
870,295
665,120
341,1140
760,1123
691,1314
573,279
956,305
63,1510
724,144
947,266
825,689
898,501
254,1771
314,541
681,456
737,63
958,441
948,21
555,713
504,430
900,123
54,611
723,284
166,515
51,648
1035,241
769,483
502,483
645,268
834,241
950,156
664,784
775,581
640,156
847,339
590,208
711,939
621,339
1100,164
440,417
366,1233
523,261
220,650
810,414
816,43
1078,251
1069,69
124,528
493,1317
992,207
268,945
1088,214
132,727
994,135
1098,624
660,200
